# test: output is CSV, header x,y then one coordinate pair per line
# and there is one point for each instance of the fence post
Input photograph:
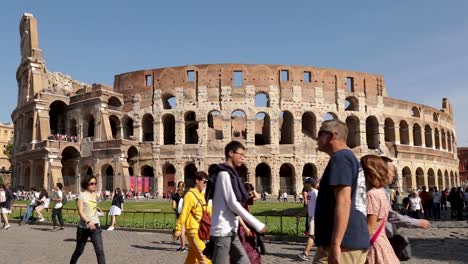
x,y
144,215
281,224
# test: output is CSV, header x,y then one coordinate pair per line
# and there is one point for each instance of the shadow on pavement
x,y
152,248
445,249
42,229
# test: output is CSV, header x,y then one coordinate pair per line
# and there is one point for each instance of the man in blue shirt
x,y
341,232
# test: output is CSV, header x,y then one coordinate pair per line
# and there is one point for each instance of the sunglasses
x,y
92,183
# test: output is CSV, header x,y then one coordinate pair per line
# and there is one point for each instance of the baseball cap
x,y
309,180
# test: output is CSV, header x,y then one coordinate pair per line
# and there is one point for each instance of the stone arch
x,y
286,120
351,104
406,180
243,171
428,136
436,138
168,121
431,180
404,133
419,178
447,180
354,133
262,100
389,130
262,129
287,178
415,112
309,125
435,117
263,178
148,127
417,136
115,126
215,125
107,174
147,172
169,101
238,125
169,172
57,117
114,102
89,126
189,174
449,141
128,127
453,180
132,159
191,128
309,170
372,132
440,183
444,140
70,159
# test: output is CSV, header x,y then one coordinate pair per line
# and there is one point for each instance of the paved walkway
x,y
444,242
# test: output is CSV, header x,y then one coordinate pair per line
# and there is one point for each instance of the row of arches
x,y
441,179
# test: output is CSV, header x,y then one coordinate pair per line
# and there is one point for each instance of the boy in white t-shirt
x,y
312,193
57,211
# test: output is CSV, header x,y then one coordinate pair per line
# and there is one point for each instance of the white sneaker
x,y
42,220
110,228
6,227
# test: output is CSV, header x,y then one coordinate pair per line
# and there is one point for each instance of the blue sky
x,y
421,47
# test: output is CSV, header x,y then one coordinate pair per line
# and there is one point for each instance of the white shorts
x,y
311,226
6,211
114,210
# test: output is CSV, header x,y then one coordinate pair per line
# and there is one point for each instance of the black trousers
x,y
57,213
82,235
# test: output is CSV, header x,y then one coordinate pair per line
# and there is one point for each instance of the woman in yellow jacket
x,y
190,218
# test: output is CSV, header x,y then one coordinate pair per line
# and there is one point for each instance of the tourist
x,y
459,203
88,225
415,205
285,196
341,232
229,194
375,171
436,198
189,219
424,196
310,184
452,199
6,204
249,238
116,208
443,200
42,203
177,204
57,211
32,205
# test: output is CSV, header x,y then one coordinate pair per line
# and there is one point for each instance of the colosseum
x,y
158,126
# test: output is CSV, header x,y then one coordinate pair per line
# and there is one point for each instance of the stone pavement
x,y
444,242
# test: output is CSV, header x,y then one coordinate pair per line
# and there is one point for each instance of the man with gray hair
x,y
341,232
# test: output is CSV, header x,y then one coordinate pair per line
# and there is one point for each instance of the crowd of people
x,y
61,137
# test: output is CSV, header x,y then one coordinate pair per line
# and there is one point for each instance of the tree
x,y
8,150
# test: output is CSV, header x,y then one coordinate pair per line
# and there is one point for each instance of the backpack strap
x,y
201,203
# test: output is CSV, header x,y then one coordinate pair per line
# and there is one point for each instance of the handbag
x,y
205,222
401,246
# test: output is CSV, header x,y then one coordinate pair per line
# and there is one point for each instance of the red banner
x,y
140,184
147,181
132,183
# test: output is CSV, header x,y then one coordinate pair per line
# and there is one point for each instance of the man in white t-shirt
x,y
57,212
309,184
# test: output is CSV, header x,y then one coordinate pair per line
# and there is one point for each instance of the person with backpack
x,y
228,193
194,209
57,211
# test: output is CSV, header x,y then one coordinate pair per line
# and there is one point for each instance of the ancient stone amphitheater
x,y
156,127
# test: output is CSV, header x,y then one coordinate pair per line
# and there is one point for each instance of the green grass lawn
x,y
157,214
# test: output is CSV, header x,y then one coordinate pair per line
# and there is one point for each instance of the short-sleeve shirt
x,y
59,195
118,200
311,201
89,208
343,169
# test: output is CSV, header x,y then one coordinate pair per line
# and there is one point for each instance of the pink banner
x,y
140,184
147,181
132,182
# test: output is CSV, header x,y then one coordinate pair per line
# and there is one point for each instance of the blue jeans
x,y
436,210
28,213
82,235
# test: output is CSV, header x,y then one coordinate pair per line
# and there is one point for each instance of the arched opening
x,y
70,159
351,104
435,117
449,141
389,130
115,126
309,128
114,103
417,138
28,131
238,125
189,175
287,176
447,180
419,178
452,180
132,159
148,127
169,101
444,140
262,129
406,181
428,136
107,172
148,181
263,178
57,117
242,171
437,138
354,134
439,180
330,116
89,126
262,100
86,170
215,125
372,132
169,129
404,133
169,172
431,181
415,112
128,127
309,170
286,123
191,128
